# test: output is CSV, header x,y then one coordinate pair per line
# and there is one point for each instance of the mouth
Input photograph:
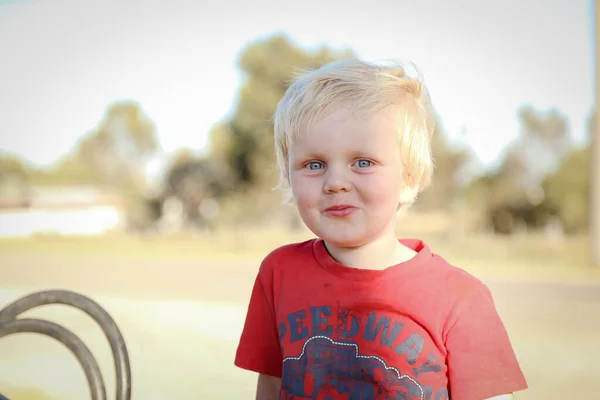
x,y
341,210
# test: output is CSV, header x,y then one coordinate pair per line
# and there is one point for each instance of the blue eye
x,y
315,165
364,163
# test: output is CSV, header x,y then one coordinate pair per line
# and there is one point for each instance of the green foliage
x,y
67,171
11,164
192,180
449,164
14,176
568,188
113,154
116,152
513,195
243,145
543,143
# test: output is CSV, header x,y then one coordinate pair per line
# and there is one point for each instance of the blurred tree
x,y
512,195
446,184
595,157
543,143
70,169
116,153
568,190
14,180
11,164
221,150
67,170
192,181
244,143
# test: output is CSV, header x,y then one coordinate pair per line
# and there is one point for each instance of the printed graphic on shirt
x,y
332,370
332,363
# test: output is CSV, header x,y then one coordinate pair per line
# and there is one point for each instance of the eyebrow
x,y
311,155
352,154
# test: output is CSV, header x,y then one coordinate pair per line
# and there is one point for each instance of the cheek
x,y
305,191
384,190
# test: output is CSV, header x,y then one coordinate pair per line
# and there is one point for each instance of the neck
x,y
378,254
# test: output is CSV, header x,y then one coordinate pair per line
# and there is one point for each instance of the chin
x,y
348,238
341,240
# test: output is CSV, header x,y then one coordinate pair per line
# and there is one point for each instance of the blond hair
x,y
362,87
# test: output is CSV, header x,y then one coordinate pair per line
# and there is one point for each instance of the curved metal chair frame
x,y
10,324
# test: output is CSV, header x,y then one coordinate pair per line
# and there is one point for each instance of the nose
x,y
336,180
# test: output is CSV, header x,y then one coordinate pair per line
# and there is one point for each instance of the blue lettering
x,y
282,331
348,323
429,366
319,320
383,324
412,347
297,329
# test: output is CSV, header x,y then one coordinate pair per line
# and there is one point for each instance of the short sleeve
x,y
481,361
259,349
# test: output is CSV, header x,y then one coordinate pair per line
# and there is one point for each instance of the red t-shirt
x,y
422,329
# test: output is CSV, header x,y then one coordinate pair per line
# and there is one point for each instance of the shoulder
x,y
457,278
465,295
286,255
456,285
445,274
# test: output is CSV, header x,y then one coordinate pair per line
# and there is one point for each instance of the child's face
x,y
346,178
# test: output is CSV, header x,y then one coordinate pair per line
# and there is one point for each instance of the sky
x,y
63,62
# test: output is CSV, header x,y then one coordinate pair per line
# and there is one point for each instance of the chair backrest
x,y
10,324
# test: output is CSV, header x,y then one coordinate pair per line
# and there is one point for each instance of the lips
x,y
340,210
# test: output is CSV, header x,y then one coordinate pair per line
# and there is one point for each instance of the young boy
x,y
357,313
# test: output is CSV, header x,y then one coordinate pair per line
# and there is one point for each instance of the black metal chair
x,y
10,324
